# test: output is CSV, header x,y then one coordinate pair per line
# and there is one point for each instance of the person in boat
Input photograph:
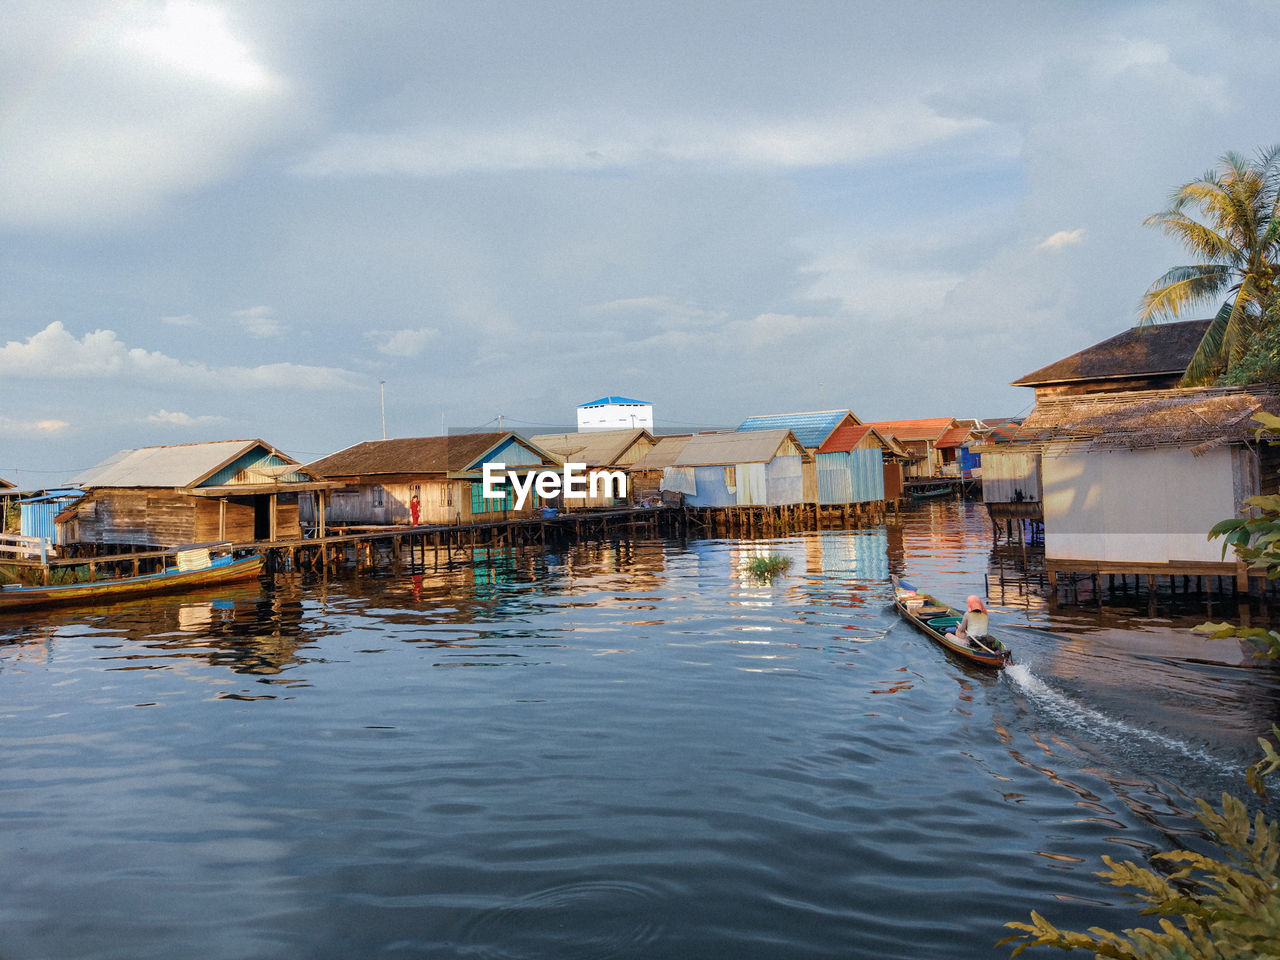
x,y
975,624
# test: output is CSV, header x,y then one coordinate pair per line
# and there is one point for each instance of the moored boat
x,y
933,617
192,568
925,492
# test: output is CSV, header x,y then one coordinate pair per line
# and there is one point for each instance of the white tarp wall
x,y
1145,506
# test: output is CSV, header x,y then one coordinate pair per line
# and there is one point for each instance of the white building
x,y
615,413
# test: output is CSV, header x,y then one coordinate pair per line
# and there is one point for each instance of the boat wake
x,y
1075,714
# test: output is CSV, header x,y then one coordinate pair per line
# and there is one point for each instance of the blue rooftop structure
x,y
811,429
603,401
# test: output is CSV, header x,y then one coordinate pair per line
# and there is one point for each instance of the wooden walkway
x,y
437,545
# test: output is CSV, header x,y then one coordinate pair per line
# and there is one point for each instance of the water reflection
x,y
625,750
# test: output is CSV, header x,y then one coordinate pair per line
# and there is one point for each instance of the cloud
x,y
664,312
108,113
55,354
259,323
403,343
880,281
11,427
180,419
182,320
543,144
1063,238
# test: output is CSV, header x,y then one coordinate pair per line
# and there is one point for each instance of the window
x,y
377,494
479,504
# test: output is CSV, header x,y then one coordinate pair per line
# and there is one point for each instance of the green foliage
x,y
1256,541
1229,220
1209,909
1260,361
768,566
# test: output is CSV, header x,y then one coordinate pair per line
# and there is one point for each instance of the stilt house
x,y
1133,482
646,473
377,480
931,443
848,455
599,450
1137,359
170,496
752,468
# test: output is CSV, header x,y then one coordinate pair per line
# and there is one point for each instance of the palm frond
x,y
1206,362
1196,237
1180,288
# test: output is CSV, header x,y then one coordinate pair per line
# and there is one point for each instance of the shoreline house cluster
x,y
247,491
1124,471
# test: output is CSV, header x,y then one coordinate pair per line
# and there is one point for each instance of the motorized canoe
x,y
934,618
192,572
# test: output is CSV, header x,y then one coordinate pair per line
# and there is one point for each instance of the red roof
x,y
955,437
907,430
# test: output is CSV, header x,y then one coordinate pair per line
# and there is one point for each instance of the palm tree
x,y
1237,240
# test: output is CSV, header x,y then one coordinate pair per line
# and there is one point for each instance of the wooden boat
x,y
928,614
925,492
192,568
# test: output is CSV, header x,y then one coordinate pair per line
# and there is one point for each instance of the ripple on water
x,y
575,919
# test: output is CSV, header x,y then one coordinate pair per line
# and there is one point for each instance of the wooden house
x,y
848,455
751,468
1137,359
1153,357
169,496
1133,482
7,495
646,473
599,450
921,438
377,480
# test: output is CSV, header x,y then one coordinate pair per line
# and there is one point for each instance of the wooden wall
x,y
165,518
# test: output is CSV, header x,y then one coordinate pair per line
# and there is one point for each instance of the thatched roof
x,y
1203,417
1158,349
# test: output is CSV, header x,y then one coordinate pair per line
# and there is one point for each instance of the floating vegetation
x,y
767,566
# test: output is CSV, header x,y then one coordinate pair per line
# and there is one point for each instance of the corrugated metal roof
x,y
928,429
811,429
598,448
607,400
752,446
177,465
447,454
663,454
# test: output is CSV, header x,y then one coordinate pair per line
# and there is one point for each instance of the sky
x,y
319,222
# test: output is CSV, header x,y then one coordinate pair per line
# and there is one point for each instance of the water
x,y
619,752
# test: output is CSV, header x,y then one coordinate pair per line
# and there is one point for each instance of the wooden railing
x,y
25,548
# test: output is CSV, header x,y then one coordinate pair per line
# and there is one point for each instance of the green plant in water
x,y
1209,909
768,566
